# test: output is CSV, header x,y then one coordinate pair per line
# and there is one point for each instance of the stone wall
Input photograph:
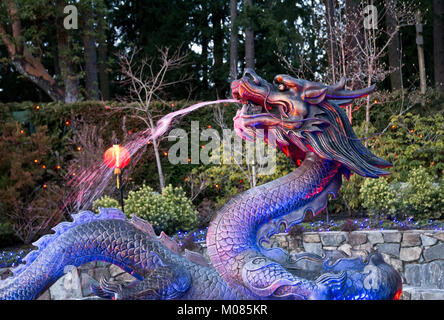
x,y
417,254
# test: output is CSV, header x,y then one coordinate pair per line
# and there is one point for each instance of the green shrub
x,y
169,211
420,196
105,202
378,197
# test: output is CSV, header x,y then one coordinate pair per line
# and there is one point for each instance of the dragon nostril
x,y
249,73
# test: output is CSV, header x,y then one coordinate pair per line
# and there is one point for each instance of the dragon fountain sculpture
x,y
303,119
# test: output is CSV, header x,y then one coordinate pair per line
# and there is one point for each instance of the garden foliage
x,y
169,211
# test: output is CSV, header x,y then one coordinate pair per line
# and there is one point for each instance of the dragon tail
x,y
45,264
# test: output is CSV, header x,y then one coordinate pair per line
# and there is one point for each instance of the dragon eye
x,y
282,87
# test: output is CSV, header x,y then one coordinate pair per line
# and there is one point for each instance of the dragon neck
x,y
260,211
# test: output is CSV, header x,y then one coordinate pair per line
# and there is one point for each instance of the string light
x,y
79,148
165,154
67,122
44,186
43,167
37,107
172,105
22,131
58,167
217,186
36,161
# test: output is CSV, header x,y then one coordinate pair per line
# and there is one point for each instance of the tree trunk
x,y
420,46
70,80
90,54
249,40
332,52
23,60
438,42
394,49
233,41
67,72
103,56
218,53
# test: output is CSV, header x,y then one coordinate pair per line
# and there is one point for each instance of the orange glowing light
x,y
203,147
36,161
67,122
217,186
44,186
58,167
44,167
37,107
172,105
116,157
209,127
79,148
22,131
165,154
189,160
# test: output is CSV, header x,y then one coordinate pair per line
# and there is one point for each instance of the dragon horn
x,y
346,94
340,85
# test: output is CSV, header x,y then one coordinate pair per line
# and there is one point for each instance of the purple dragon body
x,y
305,121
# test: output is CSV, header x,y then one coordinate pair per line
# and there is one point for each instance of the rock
x,y
67,287
333,239
391,249
433,295
375,237
412,274
392,236
125,277
410,254
311,237
366,246
45,296
102,272
433,275
315,248
4,273
346,248
439,235
411,239
435,252
86,282
115,270
405,295
397,264
428,275
357,238
428,241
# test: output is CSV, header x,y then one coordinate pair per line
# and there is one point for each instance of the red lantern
x,y
116,157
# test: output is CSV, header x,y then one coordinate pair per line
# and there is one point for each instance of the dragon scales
x,y
303,119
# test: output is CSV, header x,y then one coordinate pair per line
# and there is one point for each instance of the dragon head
x,y
300,116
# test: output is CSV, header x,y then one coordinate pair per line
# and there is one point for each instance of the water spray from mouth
x,y
89,184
